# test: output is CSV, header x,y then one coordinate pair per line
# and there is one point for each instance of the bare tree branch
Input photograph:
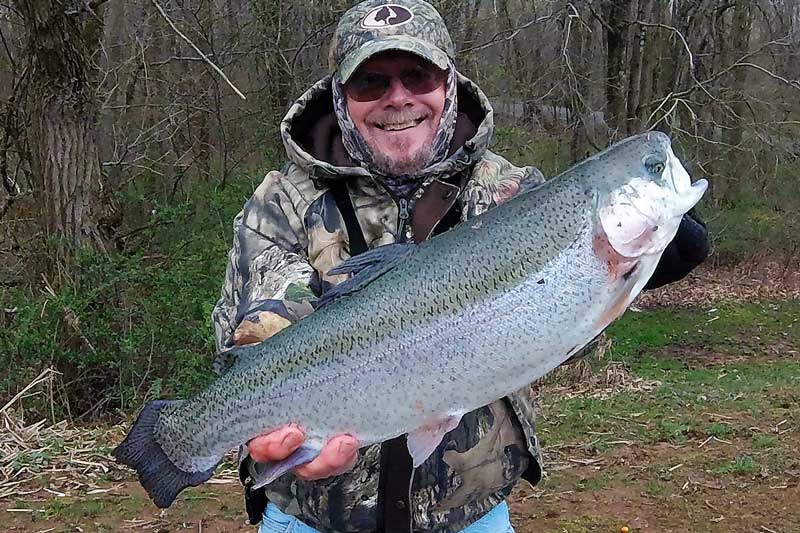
x,y
196,49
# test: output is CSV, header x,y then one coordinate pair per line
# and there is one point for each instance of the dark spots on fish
x,y
655,228
619,224
541,281
628,274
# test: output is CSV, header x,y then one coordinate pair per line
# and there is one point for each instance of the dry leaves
x,y
60,459
745,282
63,459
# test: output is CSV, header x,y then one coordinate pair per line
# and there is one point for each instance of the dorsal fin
x,y
365,267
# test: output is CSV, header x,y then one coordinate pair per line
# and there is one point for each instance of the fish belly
x,y
455,363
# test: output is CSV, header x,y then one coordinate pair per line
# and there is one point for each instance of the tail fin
x,y
157,473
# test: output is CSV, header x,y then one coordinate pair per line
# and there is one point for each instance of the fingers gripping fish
x,y
422,334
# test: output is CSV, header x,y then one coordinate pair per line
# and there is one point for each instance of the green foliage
x,y
765,441
742,465
123,328
757,217
549,154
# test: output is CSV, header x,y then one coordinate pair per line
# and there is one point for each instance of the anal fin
x,y
267,473
424,440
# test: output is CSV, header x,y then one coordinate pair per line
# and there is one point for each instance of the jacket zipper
x,y
403,210
402,219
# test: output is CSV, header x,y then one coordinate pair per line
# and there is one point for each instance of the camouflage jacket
x,y
287,237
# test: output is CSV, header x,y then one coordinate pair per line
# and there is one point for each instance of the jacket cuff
x,y
245,465
522,407
533,474
291,311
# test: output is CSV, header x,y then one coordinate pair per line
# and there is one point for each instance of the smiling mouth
x,y
399,126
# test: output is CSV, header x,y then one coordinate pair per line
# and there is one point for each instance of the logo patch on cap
x,y
387,15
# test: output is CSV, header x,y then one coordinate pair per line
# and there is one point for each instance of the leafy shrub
x,y
127,326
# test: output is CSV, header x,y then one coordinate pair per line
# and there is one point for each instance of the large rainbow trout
x,y
422,334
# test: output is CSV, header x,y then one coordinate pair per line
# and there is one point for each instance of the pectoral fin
x,y
424,440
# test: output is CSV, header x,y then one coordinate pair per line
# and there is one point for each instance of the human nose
x,y
397,95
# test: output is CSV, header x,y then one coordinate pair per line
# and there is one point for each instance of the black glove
x,y
688,249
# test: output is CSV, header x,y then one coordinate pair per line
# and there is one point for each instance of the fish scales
x,y
393,345
449,326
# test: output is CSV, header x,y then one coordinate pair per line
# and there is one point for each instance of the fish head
x,y
644,191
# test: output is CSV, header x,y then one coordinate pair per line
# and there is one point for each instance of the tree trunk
x,y
61,38
614,15
637,45
653,51
740,43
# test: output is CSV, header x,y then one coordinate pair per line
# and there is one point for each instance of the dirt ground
x,y
739,474
565,502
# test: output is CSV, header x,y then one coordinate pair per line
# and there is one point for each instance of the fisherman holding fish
x,y
391,147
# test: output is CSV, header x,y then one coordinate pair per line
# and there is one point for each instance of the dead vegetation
x,y
57,458
747,281
60,459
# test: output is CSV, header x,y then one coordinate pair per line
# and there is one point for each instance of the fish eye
x,y
654,164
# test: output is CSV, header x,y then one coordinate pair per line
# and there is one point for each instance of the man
x,y
393,146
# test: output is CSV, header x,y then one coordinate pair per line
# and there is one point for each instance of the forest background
x,y
131,133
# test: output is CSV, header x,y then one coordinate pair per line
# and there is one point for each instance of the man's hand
x,y
337,457
340,453
258,327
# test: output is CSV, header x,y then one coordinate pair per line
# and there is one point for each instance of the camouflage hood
x,y
313,139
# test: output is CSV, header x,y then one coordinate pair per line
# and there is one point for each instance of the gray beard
x,y
389,167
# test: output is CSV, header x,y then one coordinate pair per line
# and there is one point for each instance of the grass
x,y
690,356
594,483
75,509
761,442
743,465
719,430
656,489
719,427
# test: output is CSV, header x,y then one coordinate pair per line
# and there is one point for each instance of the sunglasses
x,y
371,86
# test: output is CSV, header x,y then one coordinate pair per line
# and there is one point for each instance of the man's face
x,y
396,100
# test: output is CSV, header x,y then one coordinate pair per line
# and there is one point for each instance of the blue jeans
x,y
275,521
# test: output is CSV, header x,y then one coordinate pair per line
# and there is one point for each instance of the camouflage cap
x,y
375,26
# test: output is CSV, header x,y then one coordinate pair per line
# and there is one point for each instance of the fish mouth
x,y
642,217
686,193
